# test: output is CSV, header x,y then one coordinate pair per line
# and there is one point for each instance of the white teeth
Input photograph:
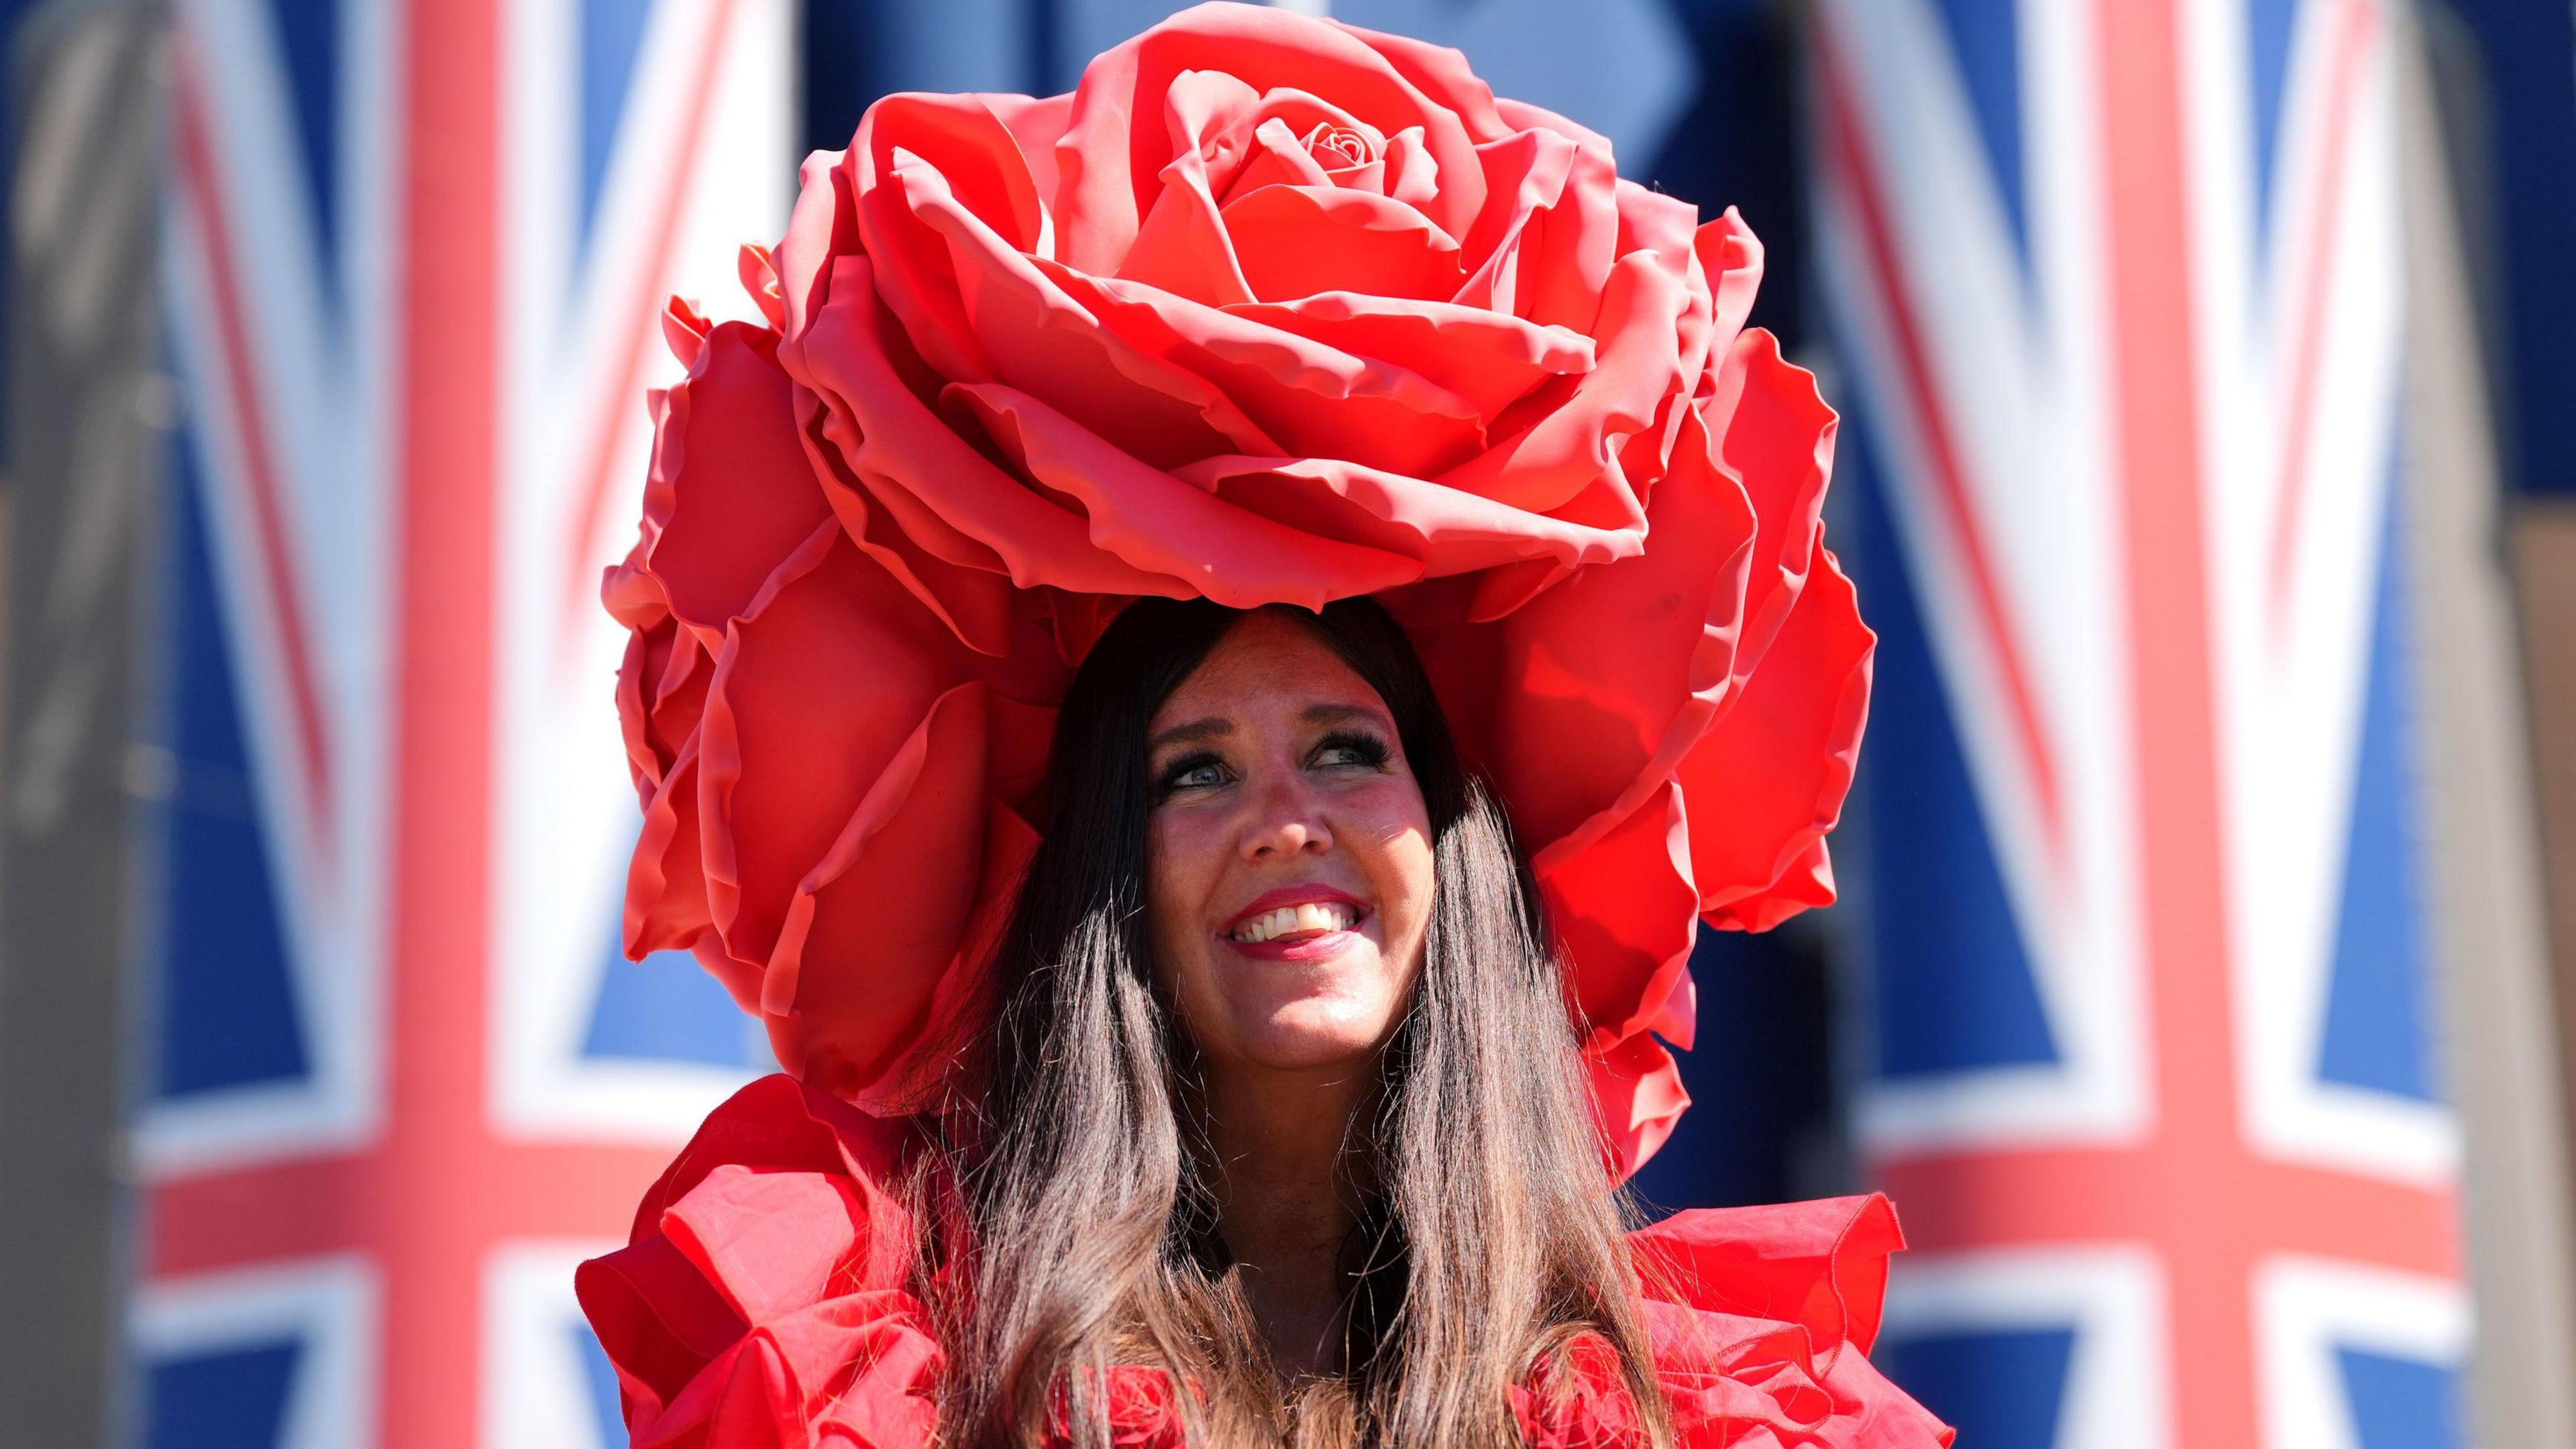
x,y
1292,920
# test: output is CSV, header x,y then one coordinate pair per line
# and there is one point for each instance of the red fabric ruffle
x,y
1269,309
763,1296
1142,1407
762,1303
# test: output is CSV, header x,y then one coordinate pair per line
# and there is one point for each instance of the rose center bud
x,y
1338,146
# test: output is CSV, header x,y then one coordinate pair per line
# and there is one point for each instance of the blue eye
x,y
1199,771
1352,748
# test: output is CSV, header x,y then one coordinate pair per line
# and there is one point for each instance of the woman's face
x,y
1289,855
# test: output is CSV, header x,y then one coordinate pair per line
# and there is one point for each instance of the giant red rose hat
x,y
1271,310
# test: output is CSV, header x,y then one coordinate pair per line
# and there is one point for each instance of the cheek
x,y
1409,889
1184,854
1397,836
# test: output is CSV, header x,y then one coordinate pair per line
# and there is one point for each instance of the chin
x,y
1314,1034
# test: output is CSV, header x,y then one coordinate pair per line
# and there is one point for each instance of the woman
x,y
1279,1100
1276,1010
1028,695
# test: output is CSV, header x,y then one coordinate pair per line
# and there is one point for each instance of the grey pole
x,y
86,417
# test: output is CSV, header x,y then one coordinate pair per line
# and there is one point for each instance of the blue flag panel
x,y
1999,1390
232,1399
225,1013
2379,1004
308,38
2401,1403
1952,984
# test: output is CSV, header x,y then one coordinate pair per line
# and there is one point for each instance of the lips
x,y
1295,923
1309,919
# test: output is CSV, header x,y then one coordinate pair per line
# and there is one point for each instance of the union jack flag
x,y
398,1082
2118,289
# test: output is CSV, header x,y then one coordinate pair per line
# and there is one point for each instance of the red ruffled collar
x,y
762,1303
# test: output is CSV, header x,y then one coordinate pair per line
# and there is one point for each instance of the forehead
x,y
1266,663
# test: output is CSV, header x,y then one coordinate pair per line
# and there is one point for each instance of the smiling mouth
x,y
1303,922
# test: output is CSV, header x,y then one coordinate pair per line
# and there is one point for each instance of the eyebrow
x,y
1337,713
1213,727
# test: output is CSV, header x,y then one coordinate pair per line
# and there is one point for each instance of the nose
x,y
1285,823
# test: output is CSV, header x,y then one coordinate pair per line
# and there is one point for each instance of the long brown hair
x,y
1488,1233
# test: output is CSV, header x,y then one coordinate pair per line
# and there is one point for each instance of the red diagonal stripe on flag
x,y
2355,22
626,381
278,575
1942,464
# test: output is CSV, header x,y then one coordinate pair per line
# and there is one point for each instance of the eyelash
x,y
1367,750
1173,773
1370,750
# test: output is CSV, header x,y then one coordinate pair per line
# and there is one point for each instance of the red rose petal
x,y
1731,258
679,693
1545,244
1555,445
1638,1094
1441,74
1112,159
666,891
893,1401
626,588
1296,241
1489,359
1522,116
822,227
684,330
888,523
1781,755
1277,157
1181,246
731,492
661,689
980,174
1036,338
1628,657
1780,445
741,982
814,694
1312,399
1777,765
1156,522
957,577
976,156
1448,532
1412,173
1624,907
1677,1019
875,924
757,269
780,1124
904,443
1036,124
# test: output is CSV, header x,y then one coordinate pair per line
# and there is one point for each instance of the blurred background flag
x,y
398,1078
2201,361
2119,290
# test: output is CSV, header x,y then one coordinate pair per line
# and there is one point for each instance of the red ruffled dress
x,y
763,1303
